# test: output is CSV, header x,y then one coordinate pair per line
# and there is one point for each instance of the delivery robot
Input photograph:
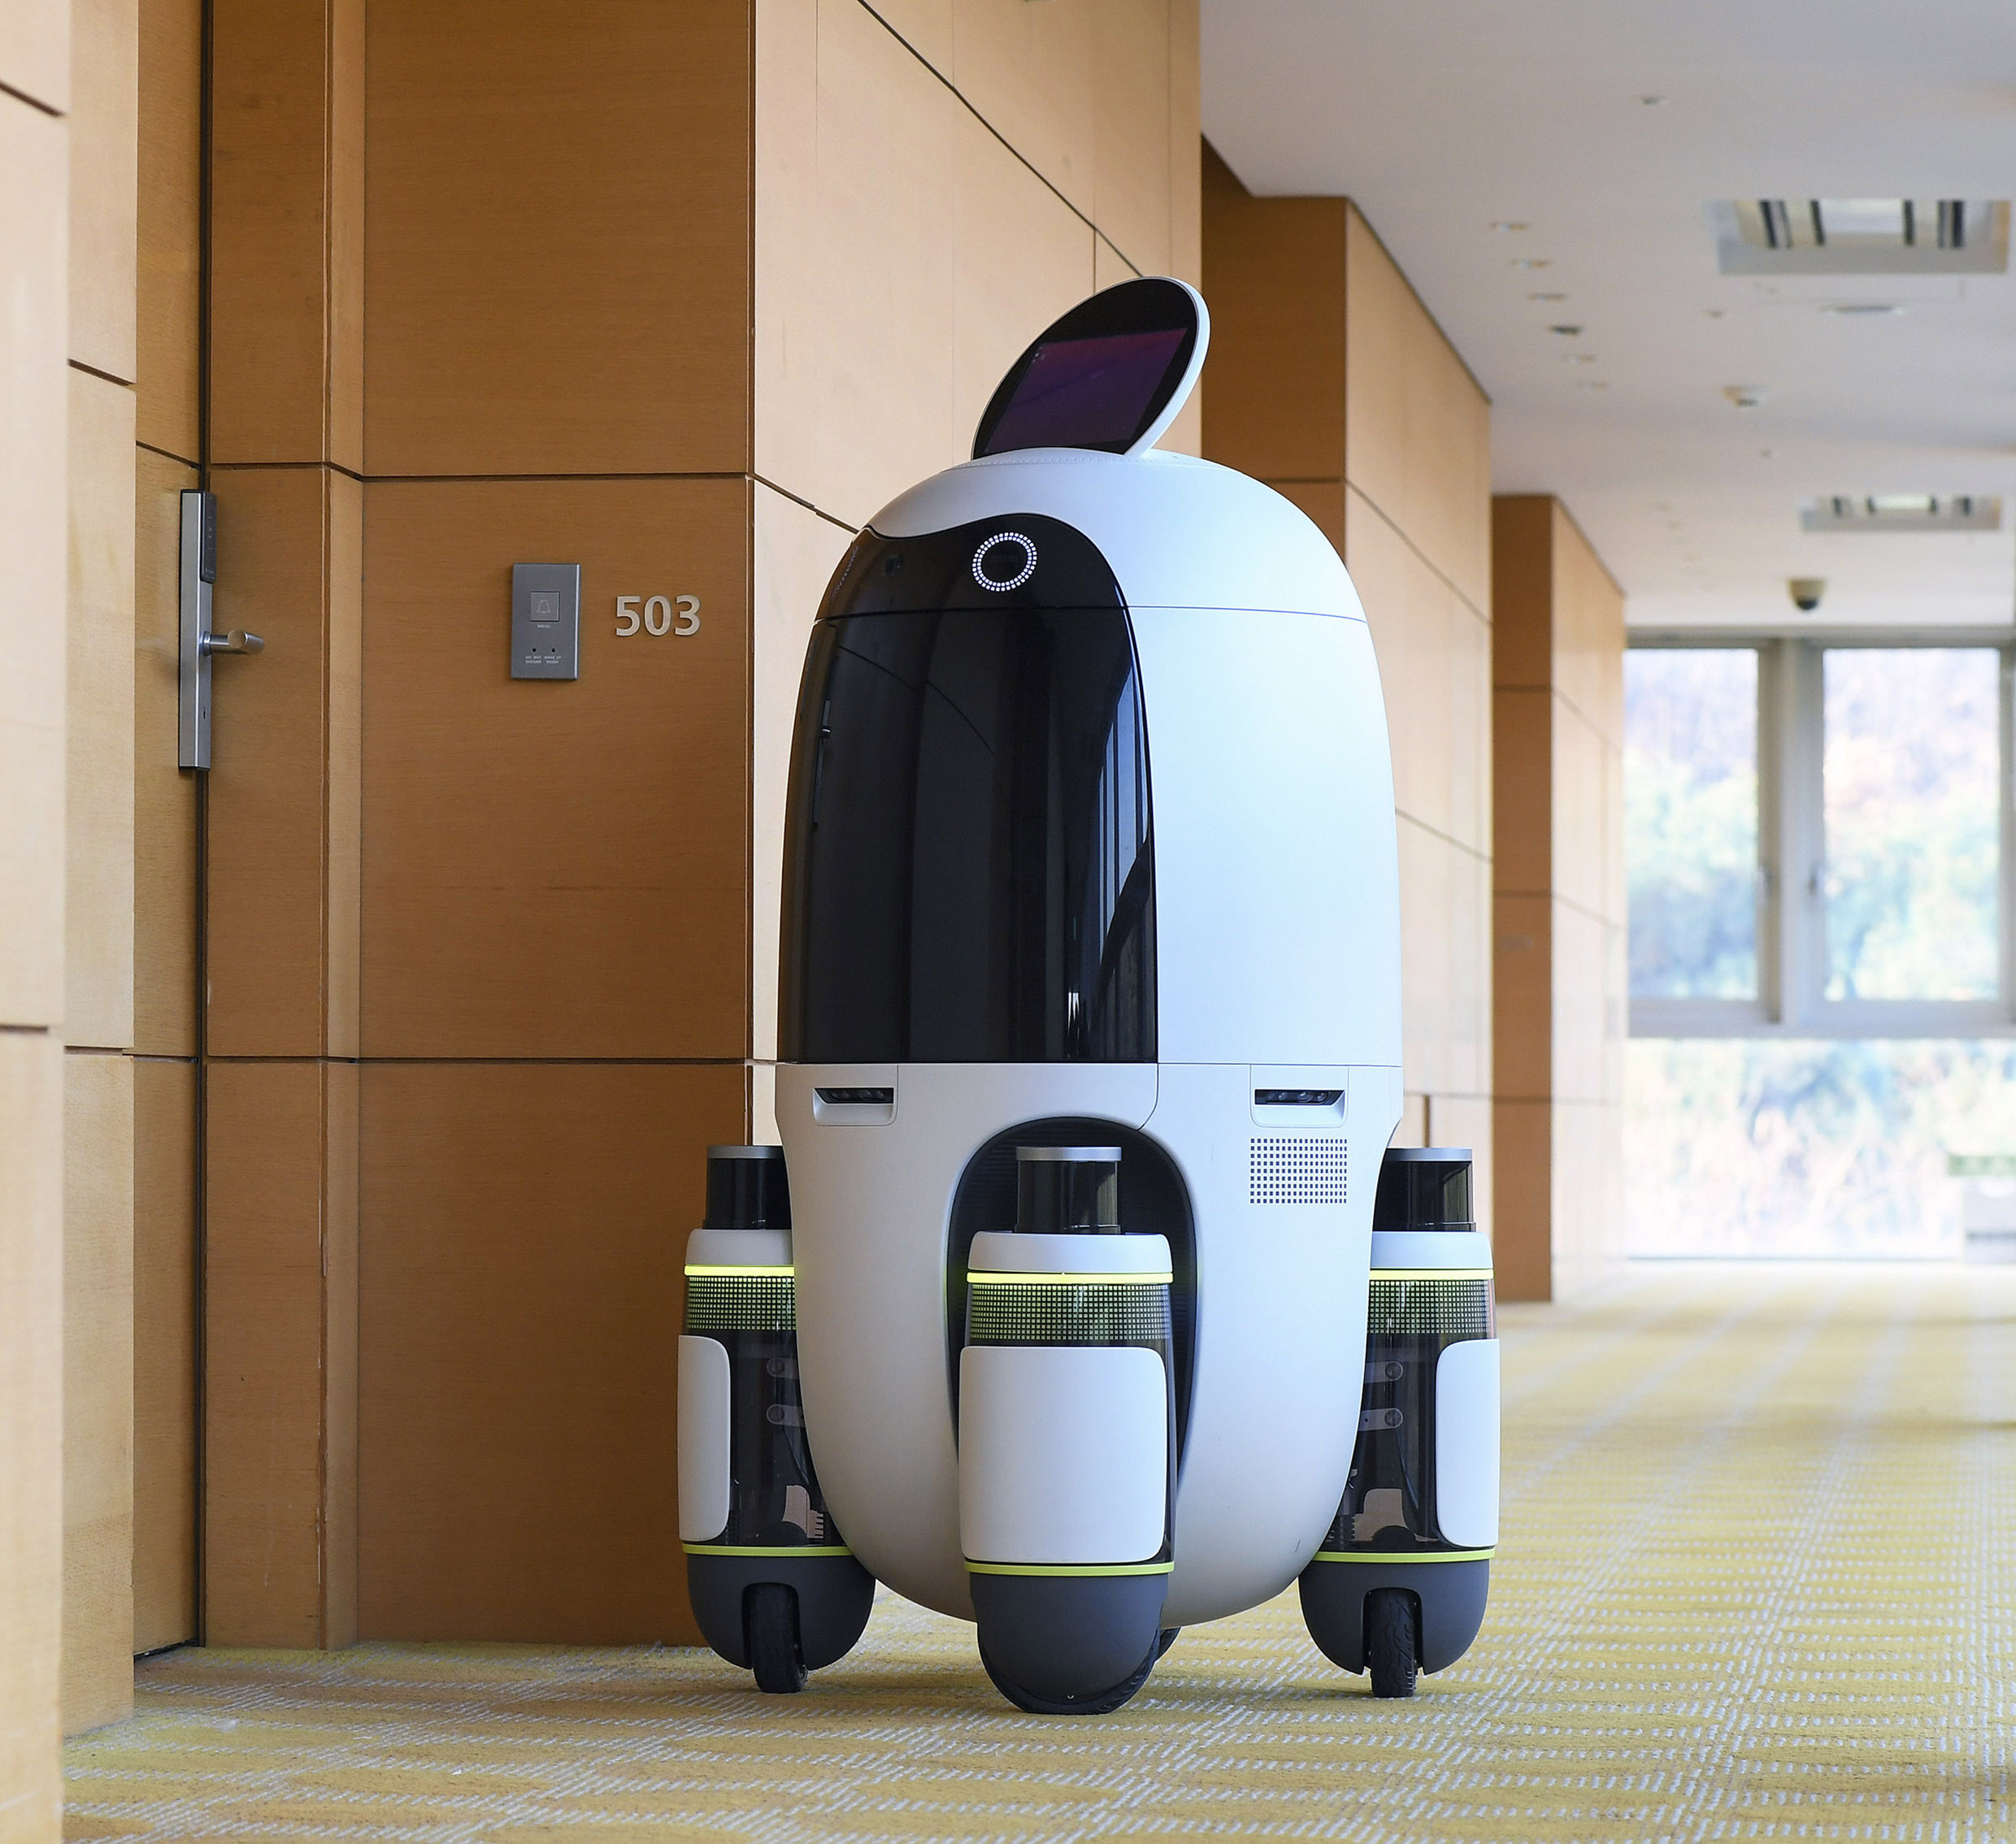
x,y
1089,1053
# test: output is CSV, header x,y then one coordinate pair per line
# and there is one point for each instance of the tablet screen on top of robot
x,y
1087,393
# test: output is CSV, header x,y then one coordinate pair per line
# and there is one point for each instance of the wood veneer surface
x,y
164,1353
557,262
555,868
524,1232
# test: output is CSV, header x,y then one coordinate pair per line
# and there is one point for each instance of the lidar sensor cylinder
x,y
1067,1190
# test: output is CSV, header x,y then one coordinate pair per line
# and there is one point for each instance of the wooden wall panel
x,y
913,237
98,1385
523,1230
277,1525
164,1353
535,314
556,869
98,796
1034,76
104,65
1557,697
164,795
1418,430
1273,276
280,132
269,782
33,153
30,1409
169,225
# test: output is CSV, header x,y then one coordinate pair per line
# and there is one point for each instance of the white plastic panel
x,y
869,1217
1277,872
1177,531
1430,1248
703,1439
1063,1453
1466,1443
1015,1252
739,1248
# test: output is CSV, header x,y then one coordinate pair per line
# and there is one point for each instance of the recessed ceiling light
x,y
1862,309
1903,512
1566,332
1532,262
1861,237
1745,396
1547,298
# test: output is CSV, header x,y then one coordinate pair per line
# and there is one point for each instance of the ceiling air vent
x,y
1904,512
1862,236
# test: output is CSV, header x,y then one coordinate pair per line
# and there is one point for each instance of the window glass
x,y
1912,822
1790,1147
1690,838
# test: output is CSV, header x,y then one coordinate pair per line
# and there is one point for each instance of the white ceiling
x,y
1441,117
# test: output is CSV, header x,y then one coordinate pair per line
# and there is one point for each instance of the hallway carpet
x,y
1757,1579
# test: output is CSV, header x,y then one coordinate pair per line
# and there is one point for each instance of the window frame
x,y
1792,998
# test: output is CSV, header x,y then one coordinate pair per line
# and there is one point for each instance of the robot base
x,y
1449,1602
1069,1644
829,1597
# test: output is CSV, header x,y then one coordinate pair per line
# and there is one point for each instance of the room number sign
x,y
653,615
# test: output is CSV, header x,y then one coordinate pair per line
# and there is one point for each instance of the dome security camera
x,y
1806,592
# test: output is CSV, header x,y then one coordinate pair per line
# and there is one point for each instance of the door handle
x,y
199,646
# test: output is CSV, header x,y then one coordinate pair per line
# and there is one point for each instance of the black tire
x,y
1168,1639
1100,1702
770,1616
1389,1642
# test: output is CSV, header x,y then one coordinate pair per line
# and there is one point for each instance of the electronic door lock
x,y
199,645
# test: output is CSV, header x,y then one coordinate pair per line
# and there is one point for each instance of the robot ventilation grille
x,y
1297,1168
742,1303
1458,1307
1109,1313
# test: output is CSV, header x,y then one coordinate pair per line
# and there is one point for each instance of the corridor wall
x,y
1558,700
490,962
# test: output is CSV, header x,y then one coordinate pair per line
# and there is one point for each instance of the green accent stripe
x,y
1046,1280
1069,1567
1432,1274
1421,1555
745,1549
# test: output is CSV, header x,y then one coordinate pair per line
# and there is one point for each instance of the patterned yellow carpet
x,y
1757,1581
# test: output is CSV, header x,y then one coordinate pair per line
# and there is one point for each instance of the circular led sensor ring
x,y
1000,585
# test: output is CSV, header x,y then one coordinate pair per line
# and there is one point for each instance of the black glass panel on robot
x,y
969,863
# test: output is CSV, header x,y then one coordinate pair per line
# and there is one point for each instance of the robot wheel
x,y
771,1615
1389,1642
1099,1704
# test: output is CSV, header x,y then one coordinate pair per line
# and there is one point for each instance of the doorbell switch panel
x,y
545,621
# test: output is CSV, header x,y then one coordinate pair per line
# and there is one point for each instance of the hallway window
x,y
1912,823
1822,1005
1815,839
1690,818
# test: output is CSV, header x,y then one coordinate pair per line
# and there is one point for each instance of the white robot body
x,y
1277,968
1091,908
